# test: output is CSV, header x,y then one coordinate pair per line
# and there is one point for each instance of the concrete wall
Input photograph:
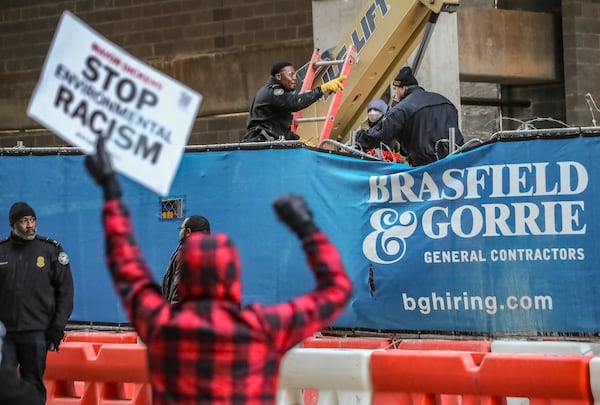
x,y
507,46
331,20
521,50
223,49
577,39
581,42
439,70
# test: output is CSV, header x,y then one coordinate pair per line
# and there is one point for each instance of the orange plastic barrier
x,y
447,378
458,345
346,343
101,337
97,374
327,342
110,374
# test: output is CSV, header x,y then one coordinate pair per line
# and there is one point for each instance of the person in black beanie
x,y
36,297
420,121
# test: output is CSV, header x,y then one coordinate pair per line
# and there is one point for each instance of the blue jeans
x,y
28,351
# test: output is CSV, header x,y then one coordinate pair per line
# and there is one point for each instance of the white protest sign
x,y
89,87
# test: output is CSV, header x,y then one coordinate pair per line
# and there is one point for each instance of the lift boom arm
x,y
385,34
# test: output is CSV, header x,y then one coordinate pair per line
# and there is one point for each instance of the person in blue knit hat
x,y
375,111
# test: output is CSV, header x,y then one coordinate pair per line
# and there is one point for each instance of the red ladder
x,y
315,63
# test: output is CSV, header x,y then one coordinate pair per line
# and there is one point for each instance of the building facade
x,y
224,50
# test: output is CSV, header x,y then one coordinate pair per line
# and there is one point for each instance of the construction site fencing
x,y
92,370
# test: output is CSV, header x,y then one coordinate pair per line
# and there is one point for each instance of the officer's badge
x,y
278,91
63,258
40,262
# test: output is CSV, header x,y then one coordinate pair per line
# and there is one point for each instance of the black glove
x,y
293,211
54,336
101,170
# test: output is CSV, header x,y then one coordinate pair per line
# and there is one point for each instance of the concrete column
x,y
439,70
331,20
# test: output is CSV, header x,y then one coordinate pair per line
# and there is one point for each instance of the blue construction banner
x,y
501,239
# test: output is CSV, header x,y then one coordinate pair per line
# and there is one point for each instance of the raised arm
x,y
300,318
140,295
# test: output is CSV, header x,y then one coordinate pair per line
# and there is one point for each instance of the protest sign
x,y
89,87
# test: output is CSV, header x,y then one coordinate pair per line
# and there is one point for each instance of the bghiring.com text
x,y
466,302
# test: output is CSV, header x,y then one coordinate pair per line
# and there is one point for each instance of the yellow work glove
x,y
334,85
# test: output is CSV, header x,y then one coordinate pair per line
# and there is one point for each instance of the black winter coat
x,y
14,390
36,285
171,278
417,122
272,110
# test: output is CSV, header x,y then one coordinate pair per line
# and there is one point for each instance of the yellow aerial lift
x,y
384,36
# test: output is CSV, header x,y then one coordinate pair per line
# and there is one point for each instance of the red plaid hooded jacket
x,y
208,349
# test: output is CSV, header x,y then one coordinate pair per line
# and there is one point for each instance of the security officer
x,y
420,122
36,297
271,111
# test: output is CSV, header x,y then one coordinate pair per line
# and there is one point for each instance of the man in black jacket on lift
x,y
271,112
420,122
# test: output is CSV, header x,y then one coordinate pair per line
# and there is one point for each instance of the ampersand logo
x,y
386,244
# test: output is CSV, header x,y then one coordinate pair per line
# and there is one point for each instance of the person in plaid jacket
x,y
208,349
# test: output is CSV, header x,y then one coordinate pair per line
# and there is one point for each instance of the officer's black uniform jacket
x,y
36,285
418,121
271,111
